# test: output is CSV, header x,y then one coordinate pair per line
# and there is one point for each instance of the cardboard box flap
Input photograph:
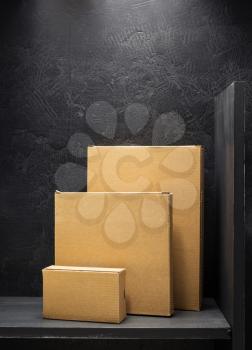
x,y
140,146
116,193
86,269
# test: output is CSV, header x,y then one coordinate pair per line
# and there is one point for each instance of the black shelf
x,y
20,317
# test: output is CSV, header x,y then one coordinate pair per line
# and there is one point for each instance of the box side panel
x,y
122,295
170,262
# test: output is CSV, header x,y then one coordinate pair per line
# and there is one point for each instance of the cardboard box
x,y
84,293
176,169
132,230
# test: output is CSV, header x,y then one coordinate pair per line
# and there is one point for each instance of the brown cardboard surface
x,y
176,169
85,268
131,230
84,294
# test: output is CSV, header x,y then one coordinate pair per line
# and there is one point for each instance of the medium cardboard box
x,y
176,169
132,230
84,293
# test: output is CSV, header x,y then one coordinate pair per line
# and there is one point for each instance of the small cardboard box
x,y
132,230
84,293
175,169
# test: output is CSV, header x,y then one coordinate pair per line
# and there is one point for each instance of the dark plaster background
x,y
57,57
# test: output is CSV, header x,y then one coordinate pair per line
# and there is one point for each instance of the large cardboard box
x,y
84,293
132,230
176,169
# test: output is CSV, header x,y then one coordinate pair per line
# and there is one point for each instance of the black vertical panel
x,y
230,195
248,216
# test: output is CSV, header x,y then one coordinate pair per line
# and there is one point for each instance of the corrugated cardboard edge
x,y
201,229
112,193
122,299
142,146
116,270
170,262
201,224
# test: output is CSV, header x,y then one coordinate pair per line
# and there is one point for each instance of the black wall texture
x,y
146,69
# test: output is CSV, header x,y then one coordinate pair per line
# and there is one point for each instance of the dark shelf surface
x,y
21,317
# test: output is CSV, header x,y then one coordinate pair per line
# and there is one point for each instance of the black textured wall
x,y
75,72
